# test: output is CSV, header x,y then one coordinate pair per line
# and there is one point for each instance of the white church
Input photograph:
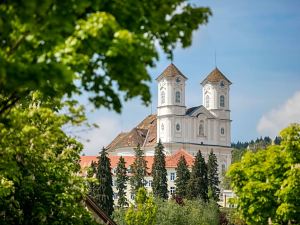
x,y
206,127
183,131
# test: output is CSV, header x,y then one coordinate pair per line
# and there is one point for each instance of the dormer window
x,y
177,97
163,97
222,101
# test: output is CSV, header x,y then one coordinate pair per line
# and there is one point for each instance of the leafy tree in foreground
x,y
138,170
38,169
103,194
198,183
122,178
144,212
182,177
213,176
47,45
267,182
159,173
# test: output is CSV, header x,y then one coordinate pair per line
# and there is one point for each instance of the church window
x,y
201,128
162,127
222,131
177,127
207,101
222,101
177,97
163,97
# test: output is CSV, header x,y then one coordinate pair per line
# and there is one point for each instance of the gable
x,y
199,110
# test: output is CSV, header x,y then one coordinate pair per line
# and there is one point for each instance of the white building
x,y
182,131
205,127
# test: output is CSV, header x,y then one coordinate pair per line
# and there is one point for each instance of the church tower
x,y
215,89
171,103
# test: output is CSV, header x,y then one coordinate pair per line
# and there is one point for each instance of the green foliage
x,y
103,194
159,173
92,170
237,154
191,213
182,177
106,45
138,170
38,168
144,212
267,182
213,176
122,178
198,183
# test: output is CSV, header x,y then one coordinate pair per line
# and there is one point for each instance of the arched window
x,y
162,127
222,131
177,127
177,97
163,97
207,101
201,128
222,101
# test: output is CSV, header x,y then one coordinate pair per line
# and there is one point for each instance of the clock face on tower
x,y
177,80
222,84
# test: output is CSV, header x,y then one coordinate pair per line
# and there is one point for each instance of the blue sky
x,y
257,45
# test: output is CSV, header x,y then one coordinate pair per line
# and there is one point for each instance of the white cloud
x,y
272,122
101,137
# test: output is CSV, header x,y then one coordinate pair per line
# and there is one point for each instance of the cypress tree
x,y
103,194
90,173
182,177
159,173
198,183
138,170
121,180
213,176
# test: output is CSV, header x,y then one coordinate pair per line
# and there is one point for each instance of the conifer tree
x,y
198,183
213,176
91,173
121,173
103,194
159,173
182,177
138,170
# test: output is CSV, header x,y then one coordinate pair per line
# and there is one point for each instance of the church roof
x,y
143,134
215,76
195,111
171,161
171,71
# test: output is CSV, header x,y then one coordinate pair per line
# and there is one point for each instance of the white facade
x,y
206,127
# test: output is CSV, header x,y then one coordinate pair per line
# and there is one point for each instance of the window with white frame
x,y
177,97
172,176
201,128
172,190
222,101
177,127
222,131
207,101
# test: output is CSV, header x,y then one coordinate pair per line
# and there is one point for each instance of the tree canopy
x,y
267,182
100,46
182,177
121,182
38,169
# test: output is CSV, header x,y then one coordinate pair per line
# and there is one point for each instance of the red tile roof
x,y
171,161
171,71
215,76
143,134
